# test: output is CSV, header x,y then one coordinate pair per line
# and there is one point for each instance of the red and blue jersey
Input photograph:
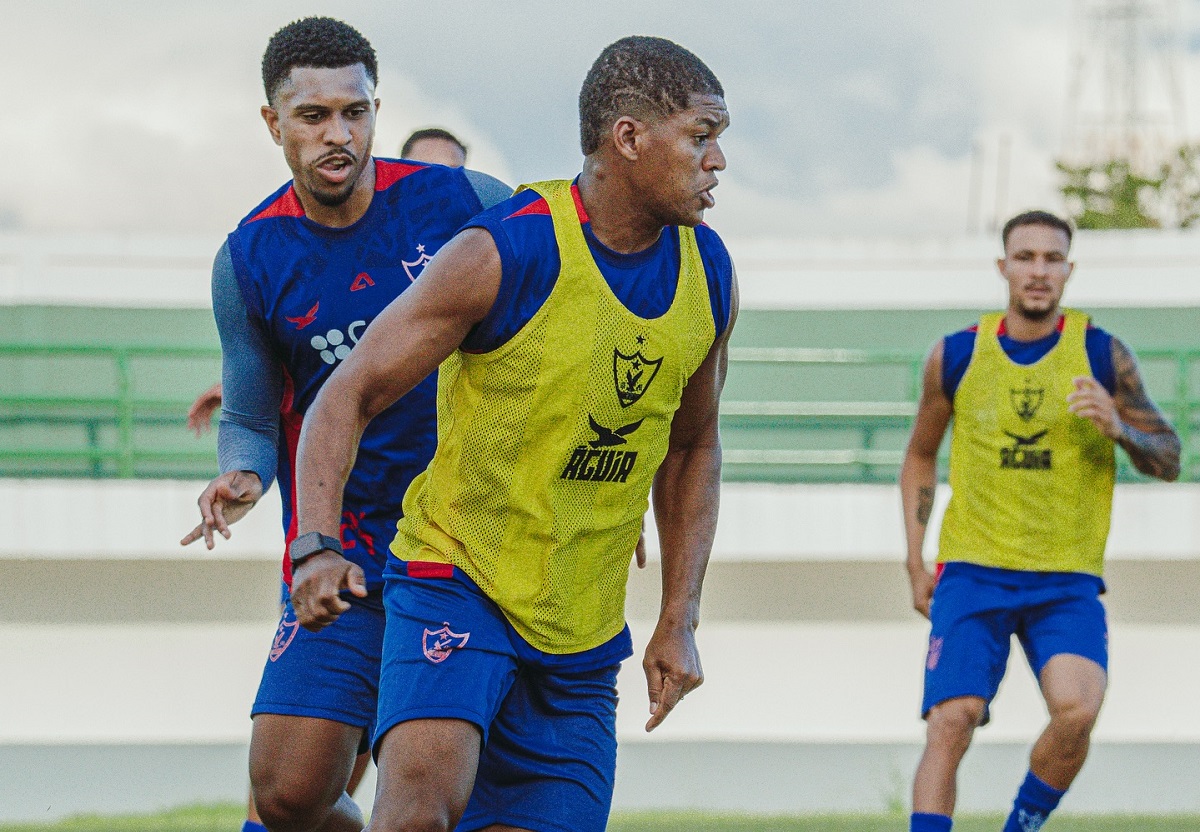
x,y
644,281
958,347
314,290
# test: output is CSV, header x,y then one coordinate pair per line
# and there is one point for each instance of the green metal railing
x,y
789,414
91,420
864,462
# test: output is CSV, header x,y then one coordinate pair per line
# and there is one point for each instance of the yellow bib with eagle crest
x,y
1031,482
548,445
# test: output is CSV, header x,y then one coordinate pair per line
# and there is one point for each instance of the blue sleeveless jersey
x,y
644,281
315,290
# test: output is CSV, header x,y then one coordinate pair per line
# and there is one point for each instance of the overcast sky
x,y
849,117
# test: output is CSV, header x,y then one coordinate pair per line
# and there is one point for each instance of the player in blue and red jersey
x,y
294,288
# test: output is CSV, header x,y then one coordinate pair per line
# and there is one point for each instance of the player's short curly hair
x,y
317,42
639,76
1036,218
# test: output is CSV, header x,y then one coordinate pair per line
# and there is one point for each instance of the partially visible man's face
x,y
1036,267
324,119
681,160
438,152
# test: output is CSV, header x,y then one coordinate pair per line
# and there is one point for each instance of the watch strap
x,y
312,543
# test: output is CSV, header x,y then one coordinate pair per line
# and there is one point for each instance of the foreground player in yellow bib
x,y
1038,398
583,329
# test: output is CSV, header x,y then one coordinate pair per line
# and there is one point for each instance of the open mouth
x,y
335,169
706,197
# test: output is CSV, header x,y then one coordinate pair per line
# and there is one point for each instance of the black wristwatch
x,y
312,543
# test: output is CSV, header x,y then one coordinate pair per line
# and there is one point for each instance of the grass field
x,y
228,819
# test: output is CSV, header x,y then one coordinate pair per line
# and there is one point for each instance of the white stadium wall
x,y
1127,268
130,662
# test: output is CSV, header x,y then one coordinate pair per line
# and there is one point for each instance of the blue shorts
x,y
548,722
977,609
333,674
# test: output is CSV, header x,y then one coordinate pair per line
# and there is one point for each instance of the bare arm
x,y
407,342
1129,417
918,475
687,495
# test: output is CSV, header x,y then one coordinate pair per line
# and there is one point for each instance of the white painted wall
x,y
149,681
1126,268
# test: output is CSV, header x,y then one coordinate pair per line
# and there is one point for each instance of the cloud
x,y
844,114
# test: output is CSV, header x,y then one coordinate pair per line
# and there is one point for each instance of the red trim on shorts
x,y
429,569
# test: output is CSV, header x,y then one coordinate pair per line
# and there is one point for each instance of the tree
x,y
1109,195
1113,194
1181,185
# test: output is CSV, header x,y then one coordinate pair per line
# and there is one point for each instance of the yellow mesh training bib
x,y
547,446
1031,482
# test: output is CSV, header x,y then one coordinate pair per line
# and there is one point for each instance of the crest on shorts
x,y
288,626
1026,401
439,644
935,653
414,268
633,374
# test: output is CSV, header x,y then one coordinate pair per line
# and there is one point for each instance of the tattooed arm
x,y
1129,417
918,475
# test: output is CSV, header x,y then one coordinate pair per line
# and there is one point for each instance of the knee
x,y
291,807
953,722
412,818
1075,716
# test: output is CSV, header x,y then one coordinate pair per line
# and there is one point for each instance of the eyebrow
x,y
313,106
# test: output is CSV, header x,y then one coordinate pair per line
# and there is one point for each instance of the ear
x,y
625,133
271,117
1001,263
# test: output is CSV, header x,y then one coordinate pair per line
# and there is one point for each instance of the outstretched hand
x,y
316,586
672,665
1091,401
226,500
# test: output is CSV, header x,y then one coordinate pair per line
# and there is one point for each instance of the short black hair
x,y
317,42
1036,218
430,133
640,76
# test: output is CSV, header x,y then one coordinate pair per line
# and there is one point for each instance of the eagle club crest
x,y
633,374
1026,401
288,625
439,644
414,268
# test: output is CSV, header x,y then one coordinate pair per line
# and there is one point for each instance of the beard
x,y
332,199
331,196
1037,314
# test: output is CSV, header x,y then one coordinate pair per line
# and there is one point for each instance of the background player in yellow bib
x,y
583,329
1038,398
